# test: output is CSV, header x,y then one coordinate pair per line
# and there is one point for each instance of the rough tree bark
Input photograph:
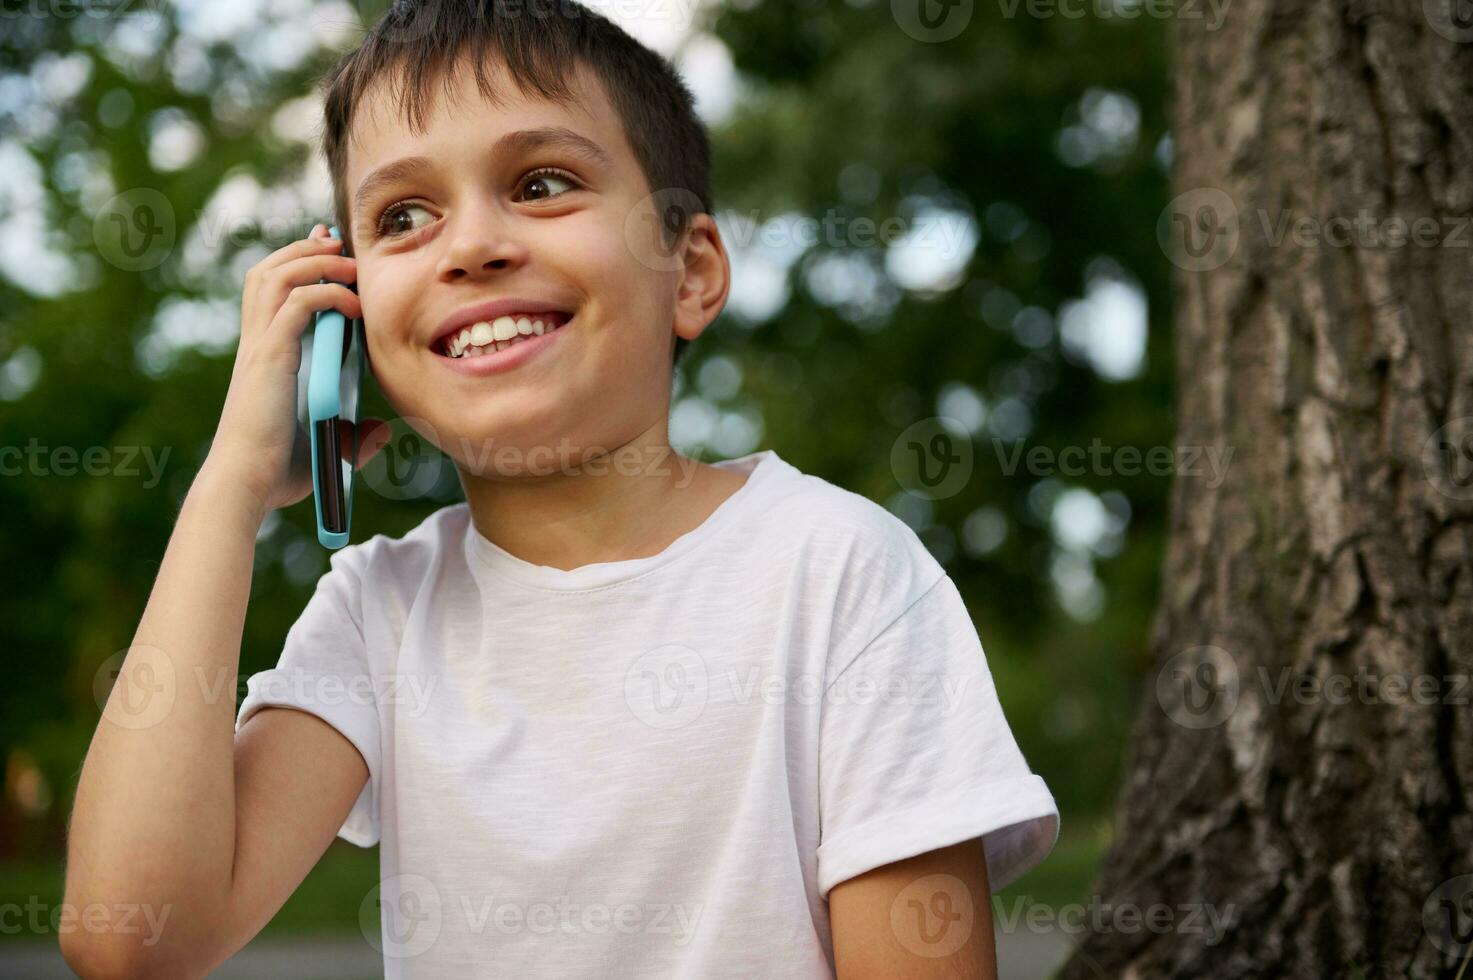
x,y
1329,344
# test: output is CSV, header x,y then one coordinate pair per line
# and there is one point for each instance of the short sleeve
x,y
915,753
323,669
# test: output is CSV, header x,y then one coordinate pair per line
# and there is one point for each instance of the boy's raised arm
x,y
184,838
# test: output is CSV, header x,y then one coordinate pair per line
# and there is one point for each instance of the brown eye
x,y
394,223
541,184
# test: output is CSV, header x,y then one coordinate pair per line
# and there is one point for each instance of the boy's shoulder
x,y
842,531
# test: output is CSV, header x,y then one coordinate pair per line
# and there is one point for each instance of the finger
x,y
285,329
307,269
314,244
264,297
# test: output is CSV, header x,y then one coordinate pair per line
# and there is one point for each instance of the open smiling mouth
x,y
491,336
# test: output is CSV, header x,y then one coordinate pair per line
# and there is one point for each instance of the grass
x,y
329,898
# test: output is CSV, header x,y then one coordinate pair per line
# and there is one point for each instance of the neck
x,y
629,502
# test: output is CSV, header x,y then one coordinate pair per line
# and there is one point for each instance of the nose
x,y
478,248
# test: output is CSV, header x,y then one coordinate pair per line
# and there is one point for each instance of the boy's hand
x,y
258,439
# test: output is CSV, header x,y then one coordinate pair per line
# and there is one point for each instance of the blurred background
x,y
942,222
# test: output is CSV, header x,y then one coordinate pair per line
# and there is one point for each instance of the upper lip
x,y
489,311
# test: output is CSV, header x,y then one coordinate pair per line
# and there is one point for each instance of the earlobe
x,y
705,278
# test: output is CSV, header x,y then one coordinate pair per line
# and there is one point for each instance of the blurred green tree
x,y
984,216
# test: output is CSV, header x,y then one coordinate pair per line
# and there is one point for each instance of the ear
x,y
705,278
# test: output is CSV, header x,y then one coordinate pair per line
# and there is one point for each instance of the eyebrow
x,y
520,141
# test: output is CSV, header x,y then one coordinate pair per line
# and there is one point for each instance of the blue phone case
x,y
336,345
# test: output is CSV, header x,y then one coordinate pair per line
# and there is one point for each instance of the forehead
x,y
457,113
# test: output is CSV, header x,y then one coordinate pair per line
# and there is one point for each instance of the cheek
x,y
386,302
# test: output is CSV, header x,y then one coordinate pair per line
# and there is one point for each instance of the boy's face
x,y
474,226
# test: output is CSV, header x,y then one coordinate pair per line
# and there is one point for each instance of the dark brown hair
x,y
541,42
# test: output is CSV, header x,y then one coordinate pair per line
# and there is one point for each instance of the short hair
x,y
420,41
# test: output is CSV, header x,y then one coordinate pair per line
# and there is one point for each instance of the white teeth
x,y
489,336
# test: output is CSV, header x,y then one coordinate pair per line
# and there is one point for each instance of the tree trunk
x,y
1301,760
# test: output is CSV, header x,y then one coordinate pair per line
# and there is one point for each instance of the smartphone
x,y
337,368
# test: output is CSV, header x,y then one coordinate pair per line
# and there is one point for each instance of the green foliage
x,y
847,117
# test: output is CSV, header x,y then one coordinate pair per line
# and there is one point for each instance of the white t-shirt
x,y
655,768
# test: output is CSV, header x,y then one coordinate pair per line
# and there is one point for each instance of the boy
x,y
619,714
